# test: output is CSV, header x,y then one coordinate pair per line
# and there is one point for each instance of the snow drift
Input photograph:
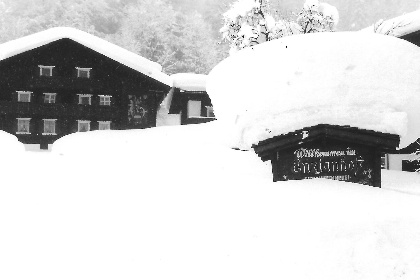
x,y
10,145
174,203
362,80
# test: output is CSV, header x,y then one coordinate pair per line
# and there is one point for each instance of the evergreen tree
x,y
179,42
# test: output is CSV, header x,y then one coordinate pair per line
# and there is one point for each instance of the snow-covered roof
x,y
119,54
358,79
400,26
189,81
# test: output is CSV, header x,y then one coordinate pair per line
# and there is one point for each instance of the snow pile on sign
x,y
189,81
362,80
173,203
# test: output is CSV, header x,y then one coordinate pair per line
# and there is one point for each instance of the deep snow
x,y
358,79
176,203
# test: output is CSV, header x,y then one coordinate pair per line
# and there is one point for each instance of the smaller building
x,y
187,102
404,159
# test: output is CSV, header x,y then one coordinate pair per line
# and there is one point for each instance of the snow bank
x,y
9,145
163,150
173,203
363,80
189,81
123,56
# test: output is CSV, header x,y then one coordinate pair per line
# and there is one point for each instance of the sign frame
x,y
328,151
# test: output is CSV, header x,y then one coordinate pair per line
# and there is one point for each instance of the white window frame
x,y
82,69
107,123
49,99
49,133
79,122
85,95
209,111
42,67
29,126
105,100
20,93
189,105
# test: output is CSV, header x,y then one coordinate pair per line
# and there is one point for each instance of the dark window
x,y
45,70
83,72
85,99
410,165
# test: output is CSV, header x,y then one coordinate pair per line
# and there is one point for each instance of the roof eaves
x,y
117,53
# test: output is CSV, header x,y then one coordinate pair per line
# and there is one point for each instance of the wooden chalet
x,y
64,80
187,102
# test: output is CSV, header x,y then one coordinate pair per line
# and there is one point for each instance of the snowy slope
x,y
175,203
359,79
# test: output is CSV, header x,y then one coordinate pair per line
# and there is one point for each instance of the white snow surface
x,y
174,203
9,145
189,81
119,54
358,79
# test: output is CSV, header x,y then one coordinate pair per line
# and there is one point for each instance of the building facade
x,y
63,80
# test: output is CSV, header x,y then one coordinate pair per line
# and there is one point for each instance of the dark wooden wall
x,y
107,77
179,105
413,38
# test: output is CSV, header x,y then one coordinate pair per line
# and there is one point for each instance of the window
x,y
23,126
83,72
194,108
85,99
45,70
49,97
104,125
24,96
210,112
105,100
49,127
83,126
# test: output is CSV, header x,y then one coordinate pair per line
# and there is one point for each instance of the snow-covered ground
x,y
176,203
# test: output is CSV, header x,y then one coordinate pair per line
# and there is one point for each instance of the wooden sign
x,y
326,151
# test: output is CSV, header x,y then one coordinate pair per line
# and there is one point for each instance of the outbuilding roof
x,y
189,81
119,54
398,26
